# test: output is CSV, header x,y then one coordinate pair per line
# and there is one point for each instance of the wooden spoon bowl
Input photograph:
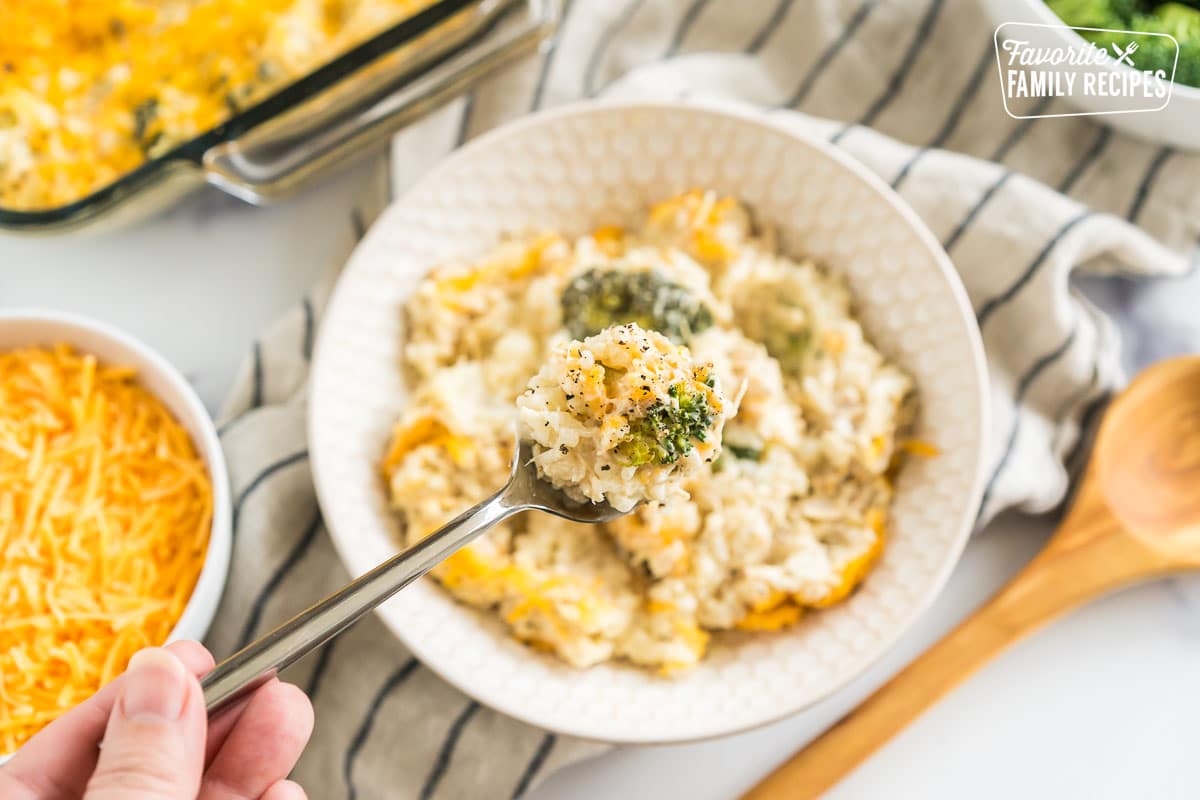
x,y
1147,458
1136,516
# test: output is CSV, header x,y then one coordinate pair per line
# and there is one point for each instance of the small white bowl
x,y
37,327
571,170
1177,125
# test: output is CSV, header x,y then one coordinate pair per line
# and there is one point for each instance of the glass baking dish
x,y
271,148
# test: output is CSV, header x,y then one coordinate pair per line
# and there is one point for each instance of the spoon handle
x,y
262,659
1089,555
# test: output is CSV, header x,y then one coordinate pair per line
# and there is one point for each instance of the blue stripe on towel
x,y
602,45
685,26
997,302
364,729
535,765
260,478
290,561
773,22
960,104
829,53
971,214
447,750
1023,385
895,83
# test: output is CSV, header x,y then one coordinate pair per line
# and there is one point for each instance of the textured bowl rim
x,y
201,606
964,525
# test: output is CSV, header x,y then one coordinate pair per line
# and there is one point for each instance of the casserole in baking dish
x,y
100,100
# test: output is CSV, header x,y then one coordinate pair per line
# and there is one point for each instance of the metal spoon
x,y
261,660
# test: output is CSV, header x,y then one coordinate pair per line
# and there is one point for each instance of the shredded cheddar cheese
x,y
919,448
778,618
609,239
854,572
514,261
774,612
422,431
704,216
105,514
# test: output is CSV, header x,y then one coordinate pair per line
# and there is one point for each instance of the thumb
x,y
153,746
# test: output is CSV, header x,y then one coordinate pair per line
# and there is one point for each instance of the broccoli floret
x,y
1181,19
1189,64
736,452
1182,22
145,132
788,346
601,298
1095,13
666,432
744,452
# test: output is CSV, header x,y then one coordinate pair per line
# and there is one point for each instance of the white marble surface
x,y
1102,704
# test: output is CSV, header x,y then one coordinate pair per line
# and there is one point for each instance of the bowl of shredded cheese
x,y
114,512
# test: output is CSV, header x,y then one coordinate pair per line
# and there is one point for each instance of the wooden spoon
x,y
1136,516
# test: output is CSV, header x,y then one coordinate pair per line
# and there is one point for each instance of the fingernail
x,y
155,687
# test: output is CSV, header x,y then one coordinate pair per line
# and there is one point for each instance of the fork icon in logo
x,y
1123,56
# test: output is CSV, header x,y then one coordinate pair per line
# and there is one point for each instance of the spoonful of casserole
x,y
611,421
621,417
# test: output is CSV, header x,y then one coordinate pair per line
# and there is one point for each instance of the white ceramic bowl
x,y
39,327
571,170
1178,124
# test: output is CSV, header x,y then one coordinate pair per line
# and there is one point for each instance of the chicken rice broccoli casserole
x,y
90,89
688,364
621,417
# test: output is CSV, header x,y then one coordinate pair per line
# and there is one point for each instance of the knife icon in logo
x,y
1123,56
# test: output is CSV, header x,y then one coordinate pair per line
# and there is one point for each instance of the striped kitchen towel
x,y
907,86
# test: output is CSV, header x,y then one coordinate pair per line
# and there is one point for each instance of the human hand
x,y
158,744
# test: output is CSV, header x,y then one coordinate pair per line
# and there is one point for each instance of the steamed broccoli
x,y
665,433
744,452
1181,19
601,298
1096,13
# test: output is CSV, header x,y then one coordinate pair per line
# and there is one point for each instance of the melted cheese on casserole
x,y
91,88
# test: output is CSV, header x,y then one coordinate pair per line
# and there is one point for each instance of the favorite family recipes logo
x,y
1095,70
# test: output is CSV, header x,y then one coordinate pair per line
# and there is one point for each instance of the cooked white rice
x,y
586,410
790,516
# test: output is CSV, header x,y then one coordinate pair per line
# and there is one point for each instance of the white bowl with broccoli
x,y
1178,123
574,174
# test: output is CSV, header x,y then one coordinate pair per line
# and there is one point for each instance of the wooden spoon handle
x,y
1089,555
